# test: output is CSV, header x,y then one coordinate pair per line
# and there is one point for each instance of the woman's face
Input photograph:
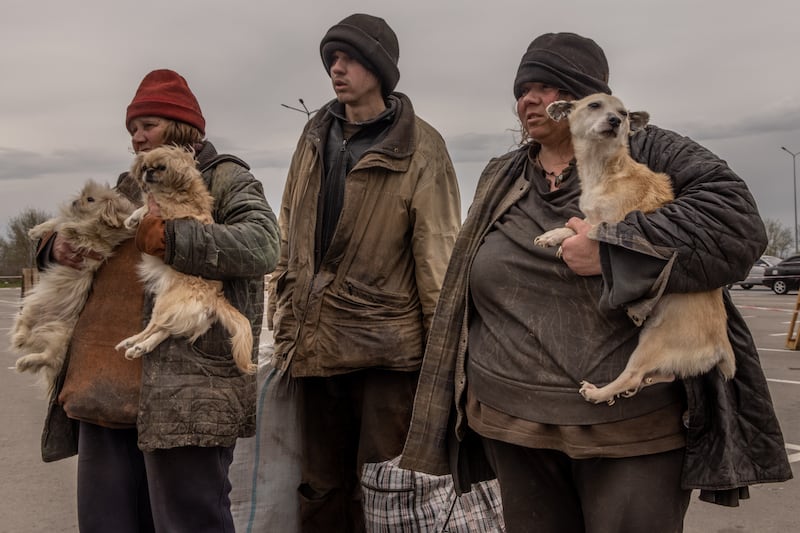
x,y
147,133
531,109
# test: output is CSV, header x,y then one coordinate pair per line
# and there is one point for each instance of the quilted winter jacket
x,y
708,237
193,394
371,301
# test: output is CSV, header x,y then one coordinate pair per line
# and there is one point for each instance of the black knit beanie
x,y
368,40
568,61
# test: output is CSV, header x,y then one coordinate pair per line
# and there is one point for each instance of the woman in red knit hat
x,y
155,436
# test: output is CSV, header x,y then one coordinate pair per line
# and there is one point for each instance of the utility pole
x,y
794,178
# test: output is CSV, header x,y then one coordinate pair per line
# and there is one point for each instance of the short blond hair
x,y
181,133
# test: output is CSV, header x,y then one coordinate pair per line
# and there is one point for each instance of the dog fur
x,y
185,305
686,334
92,222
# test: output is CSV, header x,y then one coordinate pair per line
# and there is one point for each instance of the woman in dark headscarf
x,y
517,329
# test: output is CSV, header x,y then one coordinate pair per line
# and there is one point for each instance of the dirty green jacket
x,y
193,394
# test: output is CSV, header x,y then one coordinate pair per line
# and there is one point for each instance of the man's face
x,y
352,82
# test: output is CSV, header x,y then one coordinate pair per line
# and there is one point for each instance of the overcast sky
x,y
724,72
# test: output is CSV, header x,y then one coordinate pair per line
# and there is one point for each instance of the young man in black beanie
x,y
369,216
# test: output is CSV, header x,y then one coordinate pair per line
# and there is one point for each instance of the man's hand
x,y
579,252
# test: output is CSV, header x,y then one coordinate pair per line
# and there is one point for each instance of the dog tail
x,y
241,335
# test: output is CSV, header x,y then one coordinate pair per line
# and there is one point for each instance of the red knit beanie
x,y
164,93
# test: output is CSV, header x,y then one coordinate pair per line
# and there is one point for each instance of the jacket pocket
x,y
369,295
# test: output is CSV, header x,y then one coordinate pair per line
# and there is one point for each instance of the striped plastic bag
x,y
397,500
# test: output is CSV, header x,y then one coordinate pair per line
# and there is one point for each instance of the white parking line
x,y
786,381
775,309
794,457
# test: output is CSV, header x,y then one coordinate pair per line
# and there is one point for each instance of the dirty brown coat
x,y
708,237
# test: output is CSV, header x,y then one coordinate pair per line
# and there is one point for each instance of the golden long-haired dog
x,y
92,222
185,305
686,334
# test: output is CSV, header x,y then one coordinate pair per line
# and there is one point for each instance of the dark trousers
x,y
544,491
178,490
348,420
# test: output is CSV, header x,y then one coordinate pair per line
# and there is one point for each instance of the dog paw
x,y
543,241
592,394
29,363
554,237
250,368
134,352
123,345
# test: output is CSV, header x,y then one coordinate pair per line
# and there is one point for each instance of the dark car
x,y
783,277
756,274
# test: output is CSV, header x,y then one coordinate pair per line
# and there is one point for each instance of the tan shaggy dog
x,y
185,305
92,223
686,334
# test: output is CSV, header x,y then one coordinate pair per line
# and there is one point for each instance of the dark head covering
x,y
165,93
368,40
568,61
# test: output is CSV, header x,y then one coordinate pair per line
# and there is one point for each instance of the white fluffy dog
x,y
93,222
686,334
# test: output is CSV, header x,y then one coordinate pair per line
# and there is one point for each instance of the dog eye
x,y
90,199
623,113
161,168
593,105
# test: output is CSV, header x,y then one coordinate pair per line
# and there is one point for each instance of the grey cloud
x,y
479,147
783,118
25,164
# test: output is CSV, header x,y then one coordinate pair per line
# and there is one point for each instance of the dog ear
x,y
136,167
113,214
560,110
638,120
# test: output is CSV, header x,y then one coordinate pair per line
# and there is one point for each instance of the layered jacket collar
x,y
397,146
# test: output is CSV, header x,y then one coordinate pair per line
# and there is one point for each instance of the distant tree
x,y
780,238
17,250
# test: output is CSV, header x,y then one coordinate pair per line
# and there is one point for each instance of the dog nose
x,y
614,121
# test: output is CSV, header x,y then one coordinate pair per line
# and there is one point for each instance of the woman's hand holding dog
x,y
579,252
64,254
150,234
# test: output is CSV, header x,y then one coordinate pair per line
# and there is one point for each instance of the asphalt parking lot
x,y
37,497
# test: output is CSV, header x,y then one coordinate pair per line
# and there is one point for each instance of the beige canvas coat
x,y
371,302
